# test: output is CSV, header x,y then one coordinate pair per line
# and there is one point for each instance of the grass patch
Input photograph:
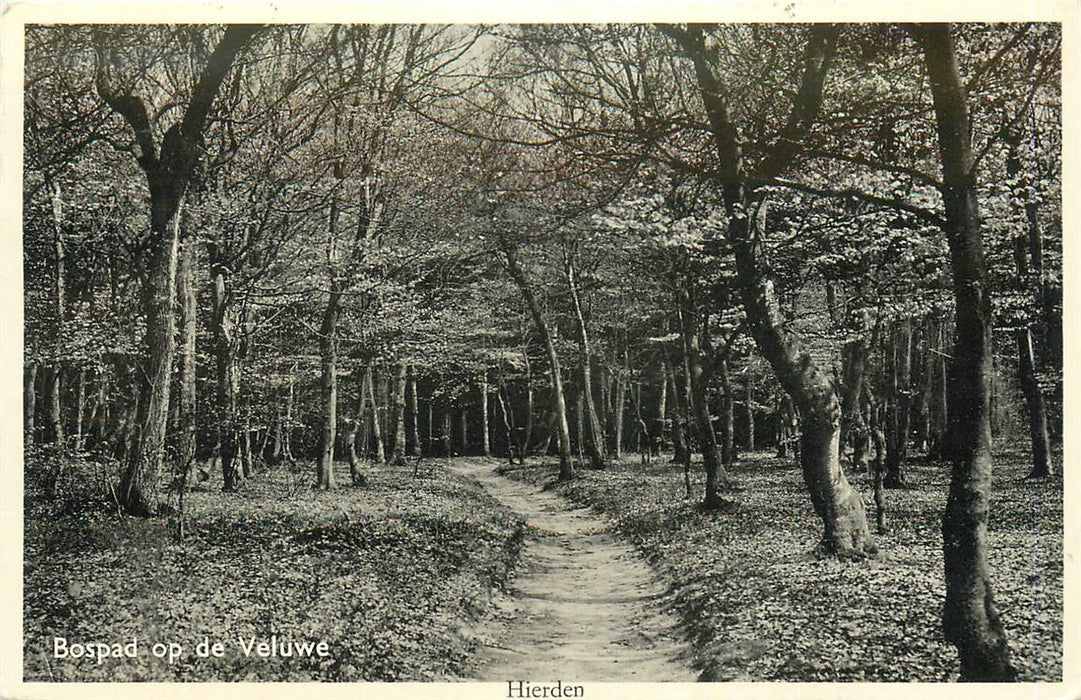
x,y
759,606
390,576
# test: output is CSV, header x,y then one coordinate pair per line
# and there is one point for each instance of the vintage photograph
x,y
542,354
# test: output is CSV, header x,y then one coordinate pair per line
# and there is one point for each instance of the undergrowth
x,y
390,576
759,605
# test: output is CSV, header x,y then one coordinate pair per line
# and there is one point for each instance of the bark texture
x,y
970,618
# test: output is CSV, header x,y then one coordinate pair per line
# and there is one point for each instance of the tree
x,y
169,168
836,502
970,619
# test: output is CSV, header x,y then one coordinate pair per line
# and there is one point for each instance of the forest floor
x,y
391,576
583,604
759,605
416,579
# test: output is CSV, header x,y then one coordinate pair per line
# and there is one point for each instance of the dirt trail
x,y
583,606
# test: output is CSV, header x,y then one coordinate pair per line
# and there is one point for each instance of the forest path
x,y
583,605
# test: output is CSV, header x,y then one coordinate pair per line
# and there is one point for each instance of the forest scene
x,y
542,352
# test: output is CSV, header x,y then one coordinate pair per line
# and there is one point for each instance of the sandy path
x,y
582,607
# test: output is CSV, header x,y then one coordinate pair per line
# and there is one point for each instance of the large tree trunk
x,y
140,482
620,404
836,502
168,173
556,377
328,355
970,618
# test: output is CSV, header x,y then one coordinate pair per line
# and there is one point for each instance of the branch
x,y
217,66
895,204
133,110
821,47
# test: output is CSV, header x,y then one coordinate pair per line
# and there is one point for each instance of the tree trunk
x,y
377,433
56,425
328,356
168,173
1037,415
412,446
224,349
30,396
837,504
485,434
853,363
139,490
662,408
728,451
1029,240
878,466
939,407
681,450
594,437
970,618
900,403
750,409
541,324
397,418
527,436
186,418
698,381
465,430
921,411
622,377
80,409
446,432
580,424
287,441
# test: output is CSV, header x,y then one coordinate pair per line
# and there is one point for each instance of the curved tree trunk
x,y
836,503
